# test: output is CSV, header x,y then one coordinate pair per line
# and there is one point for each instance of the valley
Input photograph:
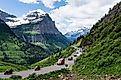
x,y
37,46
28,43
45,70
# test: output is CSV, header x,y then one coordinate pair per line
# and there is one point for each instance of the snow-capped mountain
x,y
31,17
38,28
73,35
5,16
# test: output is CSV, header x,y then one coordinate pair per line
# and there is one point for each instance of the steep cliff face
x,y
41,30
14,50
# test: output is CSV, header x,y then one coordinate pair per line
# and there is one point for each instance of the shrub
x,y
105,62
16,77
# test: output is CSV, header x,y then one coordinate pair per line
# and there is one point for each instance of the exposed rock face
x,y
41,30
5,16
45,25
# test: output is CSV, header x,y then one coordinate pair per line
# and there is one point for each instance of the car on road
x,y
77,52
61,61
70,58
66,65
8,72
37,68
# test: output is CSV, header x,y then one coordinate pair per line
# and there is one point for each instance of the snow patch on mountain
x,y
33,12
5,16
73,35
31,17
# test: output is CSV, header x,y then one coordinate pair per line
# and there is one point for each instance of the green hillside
x,y
5,65
102,46
54,58
13,50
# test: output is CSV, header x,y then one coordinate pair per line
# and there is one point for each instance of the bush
x,y
16,77
47,76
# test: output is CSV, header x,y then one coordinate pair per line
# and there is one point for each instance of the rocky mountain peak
x,y
31,17
35,14
5,16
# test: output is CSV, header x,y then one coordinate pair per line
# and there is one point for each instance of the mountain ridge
x,y
39,29
5,16
73,35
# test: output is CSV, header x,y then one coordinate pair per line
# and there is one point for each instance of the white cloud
x,y
78,13
47,3
77,2
29,1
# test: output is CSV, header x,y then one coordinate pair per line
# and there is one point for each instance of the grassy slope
x,y
4,66
53,59
103,46
15,51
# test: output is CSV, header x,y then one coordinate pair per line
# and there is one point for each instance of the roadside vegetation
x,y
4,66
54,58
49,76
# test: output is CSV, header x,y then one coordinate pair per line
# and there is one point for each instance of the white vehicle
x,y
61,61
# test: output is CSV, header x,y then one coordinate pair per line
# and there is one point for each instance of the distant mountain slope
x,y
5,16
14,50
102,46
39,29
73,35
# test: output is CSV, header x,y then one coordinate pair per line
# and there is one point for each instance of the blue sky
x,y
69,15
18,8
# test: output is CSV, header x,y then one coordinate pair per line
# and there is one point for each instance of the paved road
x,y
45,69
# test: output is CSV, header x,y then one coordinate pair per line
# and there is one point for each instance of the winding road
x,y
46,69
